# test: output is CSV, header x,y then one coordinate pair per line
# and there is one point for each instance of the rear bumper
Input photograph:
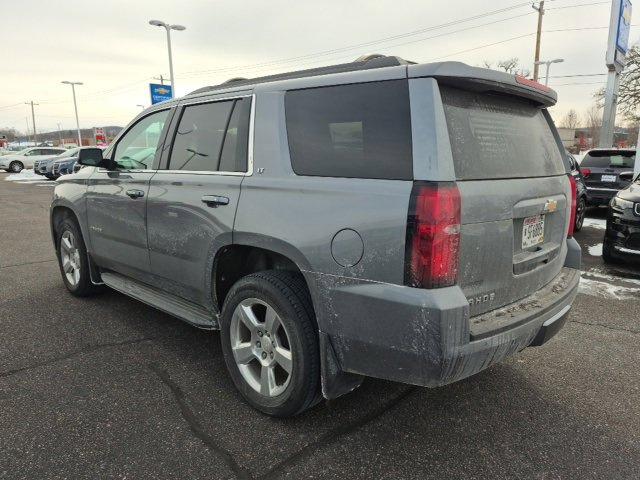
x,y
600,196
418,337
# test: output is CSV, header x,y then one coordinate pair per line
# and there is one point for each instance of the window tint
x,y
234,151
499,136
199,137
608,158
137,148
361,130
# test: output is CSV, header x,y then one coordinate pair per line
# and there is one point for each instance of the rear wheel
x,y
581,210
16,166
270,342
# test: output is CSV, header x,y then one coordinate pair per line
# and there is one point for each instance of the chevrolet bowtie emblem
x,y
550,206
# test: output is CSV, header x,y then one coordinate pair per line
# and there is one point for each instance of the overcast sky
x,y
110,46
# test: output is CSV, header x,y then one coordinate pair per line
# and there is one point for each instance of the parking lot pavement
x,y
107,387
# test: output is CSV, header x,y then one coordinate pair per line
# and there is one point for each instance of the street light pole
x,y
75,106
168,28
548,63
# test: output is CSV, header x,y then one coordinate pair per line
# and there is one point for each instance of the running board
x,y
166,302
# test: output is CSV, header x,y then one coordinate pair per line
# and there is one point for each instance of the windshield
x,y
72,152
609,158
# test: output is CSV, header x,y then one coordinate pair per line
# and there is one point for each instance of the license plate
x,y
609,178
532,231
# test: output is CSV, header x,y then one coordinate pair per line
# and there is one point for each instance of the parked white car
x,y
18,161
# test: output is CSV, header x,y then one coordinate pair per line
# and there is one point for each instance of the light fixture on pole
x,y
75,106
168,28
548,64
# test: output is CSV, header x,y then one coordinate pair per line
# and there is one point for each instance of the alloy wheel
x,y
70,257
261,347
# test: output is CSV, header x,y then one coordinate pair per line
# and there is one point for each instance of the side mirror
x,y
628,176
92,157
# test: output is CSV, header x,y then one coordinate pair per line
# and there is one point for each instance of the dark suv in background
x,y
606,171
377,218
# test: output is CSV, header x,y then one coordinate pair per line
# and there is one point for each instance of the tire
x,y
16,167
581,210
72,258
606,254
282,296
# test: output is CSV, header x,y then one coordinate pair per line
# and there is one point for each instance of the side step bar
x,y
178,307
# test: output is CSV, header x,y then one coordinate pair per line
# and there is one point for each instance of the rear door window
x,y
499,136
212,137
356,131
609,159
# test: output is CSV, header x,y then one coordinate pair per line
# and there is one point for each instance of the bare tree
x,y
629,92
509,65
570,120
593,122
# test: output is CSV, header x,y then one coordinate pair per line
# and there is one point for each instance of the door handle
x,y
215,200
135,193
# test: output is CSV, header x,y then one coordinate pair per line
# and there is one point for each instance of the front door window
x,y
137,148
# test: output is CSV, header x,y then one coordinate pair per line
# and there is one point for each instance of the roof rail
x,y
365,62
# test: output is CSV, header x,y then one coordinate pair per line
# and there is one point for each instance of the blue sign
x,y
160,93
624,27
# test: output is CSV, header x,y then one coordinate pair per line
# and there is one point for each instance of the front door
x,y
192,201
116,199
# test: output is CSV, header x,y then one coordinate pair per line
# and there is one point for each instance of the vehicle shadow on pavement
x,y
137,393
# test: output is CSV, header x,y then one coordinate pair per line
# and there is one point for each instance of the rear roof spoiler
x,y
484,80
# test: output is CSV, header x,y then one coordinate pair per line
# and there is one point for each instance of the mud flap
x,y
334,381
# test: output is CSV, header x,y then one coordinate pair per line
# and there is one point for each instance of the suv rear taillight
x,y
574,199
433,235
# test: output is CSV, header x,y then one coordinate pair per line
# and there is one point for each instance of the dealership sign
x,y
160,93
619,29
100,136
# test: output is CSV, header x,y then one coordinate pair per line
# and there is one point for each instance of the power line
x,y
360,45
579,5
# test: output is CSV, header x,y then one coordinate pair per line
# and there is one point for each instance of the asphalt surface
x,y
107,387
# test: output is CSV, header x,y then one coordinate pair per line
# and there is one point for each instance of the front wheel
x,y
270,342
16,167
72,259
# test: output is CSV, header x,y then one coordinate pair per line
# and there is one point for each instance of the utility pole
x,y
161,78
33,121
536,65
59,135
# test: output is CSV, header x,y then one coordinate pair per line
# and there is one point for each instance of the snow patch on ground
x,y
24,175
604,289
599,223
595,250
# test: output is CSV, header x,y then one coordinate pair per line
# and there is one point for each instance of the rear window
x,y
608,158
499,136
357,131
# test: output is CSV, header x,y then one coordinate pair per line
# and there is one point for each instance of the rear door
x,y
515,195
193,198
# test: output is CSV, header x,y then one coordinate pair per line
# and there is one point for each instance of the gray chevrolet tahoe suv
x,y
377,218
